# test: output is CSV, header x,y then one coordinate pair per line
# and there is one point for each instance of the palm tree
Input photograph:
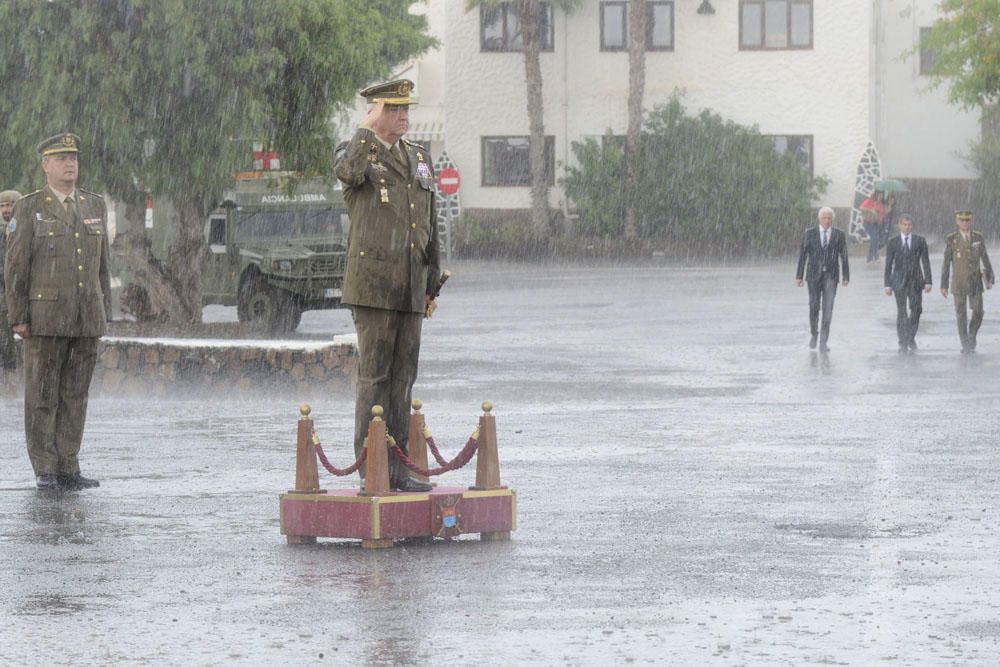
x,y
636,87
532,19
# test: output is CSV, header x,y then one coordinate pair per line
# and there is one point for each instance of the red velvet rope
x,y
351,469
460,460
434,450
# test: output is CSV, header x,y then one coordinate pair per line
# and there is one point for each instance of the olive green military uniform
x,y
968,256
8,349
392,265
59,285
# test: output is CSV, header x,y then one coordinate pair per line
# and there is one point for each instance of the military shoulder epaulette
x,y
950,235
342,146
414,144
31,194
92,194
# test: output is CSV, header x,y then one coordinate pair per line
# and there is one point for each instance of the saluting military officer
x,y
59,298
966,250
8,350
392,260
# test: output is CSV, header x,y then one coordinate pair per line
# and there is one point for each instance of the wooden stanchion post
x,y
418,441
488,464
377,461
377,471
306,473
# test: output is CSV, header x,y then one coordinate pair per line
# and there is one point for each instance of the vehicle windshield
x,y
276,225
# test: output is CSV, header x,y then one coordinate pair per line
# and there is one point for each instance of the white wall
x,y
824,91
918,133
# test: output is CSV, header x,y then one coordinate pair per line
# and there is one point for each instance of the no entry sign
x,y
448,181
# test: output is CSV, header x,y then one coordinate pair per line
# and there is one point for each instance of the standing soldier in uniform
x,y
392,261
966,250
59,297
8,350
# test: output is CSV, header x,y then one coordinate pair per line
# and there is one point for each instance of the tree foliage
x,y
965,42
169,95
703,183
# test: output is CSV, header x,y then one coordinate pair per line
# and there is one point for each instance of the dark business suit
x,y
907,272
820,267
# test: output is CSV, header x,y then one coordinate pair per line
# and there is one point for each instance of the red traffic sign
x,y
448,181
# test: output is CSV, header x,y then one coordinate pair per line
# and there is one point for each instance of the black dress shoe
x,y
77,481
812,342
47,482
410,484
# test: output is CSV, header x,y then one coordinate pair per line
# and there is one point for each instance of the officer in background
x,y
59,298
966,250
8,350
392,261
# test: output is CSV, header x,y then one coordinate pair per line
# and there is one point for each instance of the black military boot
x,y
77,481
47,482
410,484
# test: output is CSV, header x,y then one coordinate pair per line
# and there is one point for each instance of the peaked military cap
x,y
9,196
391,92
963,215
60,143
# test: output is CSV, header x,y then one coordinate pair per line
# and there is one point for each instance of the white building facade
x,y
825,78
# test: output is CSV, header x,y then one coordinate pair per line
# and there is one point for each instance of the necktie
x,y
70,205
907,244
396,153
824,237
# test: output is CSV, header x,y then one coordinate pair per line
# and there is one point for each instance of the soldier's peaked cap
x,y
9,196
391,92
66,142
963,215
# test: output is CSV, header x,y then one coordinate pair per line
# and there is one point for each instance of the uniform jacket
x,y
817,262
907,269
57,270
3,257
966,258
392,246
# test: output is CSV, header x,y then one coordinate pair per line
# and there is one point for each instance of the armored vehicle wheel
x,y
267,307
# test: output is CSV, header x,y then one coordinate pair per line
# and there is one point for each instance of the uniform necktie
x,y
70,205
396,153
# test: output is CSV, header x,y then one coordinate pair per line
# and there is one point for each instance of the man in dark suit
x,y
824,250
908,276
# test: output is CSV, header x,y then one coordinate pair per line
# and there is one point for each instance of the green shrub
x,y
705,184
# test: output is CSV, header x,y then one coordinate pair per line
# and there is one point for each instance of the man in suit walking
x,y
908,276
823,252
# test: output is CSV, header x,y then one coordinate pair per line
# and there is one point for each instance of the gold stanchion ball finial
x,y
377,411
487,407
417,404
305,410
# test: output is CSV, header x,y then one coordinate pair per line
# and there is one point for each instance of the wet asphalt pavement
x,y
694,487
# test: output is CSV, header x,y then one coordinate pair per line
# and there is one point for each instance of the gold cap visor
x,y
395,101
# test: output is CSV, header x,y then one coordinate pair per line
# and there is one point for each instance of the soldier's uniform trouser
x,y
388,350
907,322
967,329
8,349
57,373
821,296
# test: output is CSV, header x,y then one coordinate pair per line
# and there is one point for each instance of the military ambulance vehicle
x,y
273,252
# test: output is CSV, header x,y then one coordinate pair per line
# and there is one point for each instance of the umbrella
x,y
891,185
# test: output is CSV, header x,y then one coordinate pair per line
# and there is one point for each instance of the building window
x,y
500,28
659,26
776,24
799,146
928,56
506,161
614,26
